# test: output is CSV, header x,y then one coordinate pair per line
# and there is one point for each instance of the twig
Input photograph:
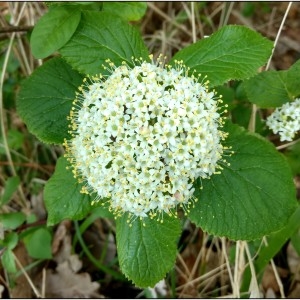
x,y
30,165
287,144
12,29
26,226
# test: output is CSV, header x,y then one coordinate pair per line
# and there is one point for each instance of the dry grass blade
x,y
252,122
35,290
226,11
277,277
44,274
173,22
254,289
2,114
279,32
204,277
227,262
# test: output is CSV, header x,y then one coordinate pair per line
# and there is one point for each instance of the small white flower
x,y
285,120
143,135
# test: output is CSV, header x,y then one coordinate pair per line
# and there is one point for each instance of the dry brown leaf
x,y
66,283
270,294
38,206
295,293
62,242
160,290
293,261
269,280
1,290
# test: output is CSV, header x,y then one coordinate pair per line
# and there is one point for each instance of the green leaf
x,y
147,249
293,77
228,97
233,52
130,11
54,29
252,197
38,243
11,186
10,241
84,3
12,220
268,89
274,88
101,212
8,261
15,140
45,100
63,199
87,5
292,154
100,36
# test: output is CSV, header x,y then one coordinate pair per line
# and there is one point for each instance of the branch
x,y
10,29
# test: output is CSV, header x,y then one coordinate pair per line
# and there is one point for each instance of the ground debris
x,y
65,282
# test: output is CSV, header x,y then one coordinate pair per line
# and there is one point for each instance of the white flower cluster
x,y
142,136
285,120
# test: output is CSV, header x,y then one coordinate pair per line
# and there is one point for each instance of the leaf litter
x,y
66,281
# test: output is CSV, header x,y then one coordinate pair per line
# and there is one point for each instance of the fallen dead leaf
x,y
270,294
269,280
62,242
295,292
293,261
1,290
38,206
66,283
159,290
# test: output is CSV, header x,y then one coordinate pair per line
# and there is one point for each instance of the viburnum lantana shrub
x,y
146,137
